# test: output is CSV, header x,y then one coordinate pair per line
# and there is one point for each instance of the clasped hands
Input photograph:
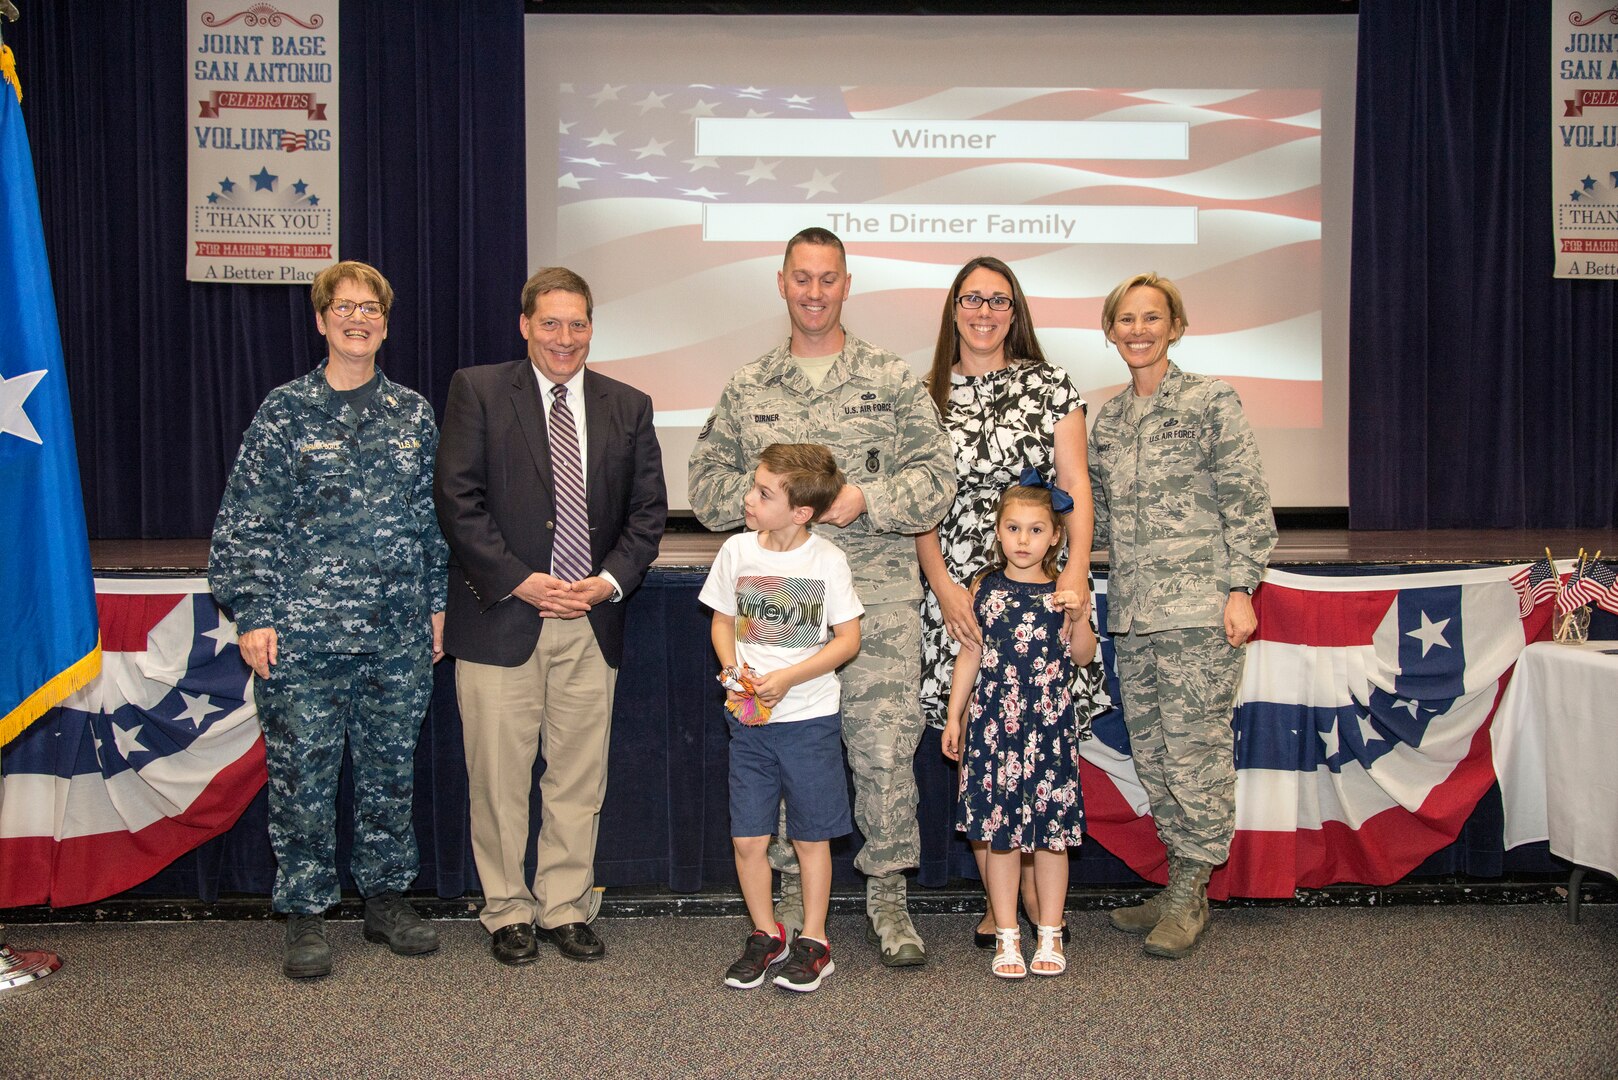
x,y
558,599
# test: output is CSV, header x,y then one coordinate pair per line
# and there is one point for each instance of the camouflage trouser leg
x,y
1179,689
309,705
882,727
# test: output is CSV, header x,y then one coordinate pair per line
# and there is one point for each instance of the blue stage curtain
x,y
1481,390
165,374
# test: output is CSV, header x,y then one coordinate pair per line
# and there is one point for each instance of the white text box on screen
x,y
1042,140
955,224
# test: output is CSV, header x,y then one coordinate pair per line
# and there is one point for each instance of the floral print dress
x,y
999,424
1020,755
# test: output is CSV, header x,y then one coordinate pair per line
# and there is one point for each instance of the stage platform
x,y
687,545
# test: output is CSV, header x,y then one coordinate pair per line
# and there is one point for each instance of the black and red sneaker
x,y
761,953
809,963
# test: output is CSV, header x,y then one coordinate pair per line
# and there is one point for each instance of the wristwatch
x,y
1241,589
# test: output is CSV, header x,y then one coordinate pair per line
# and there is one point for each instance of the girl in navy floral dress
x,y
1014,724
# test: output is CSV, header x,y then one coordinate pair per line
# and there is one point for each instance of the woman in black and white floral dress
x,y
1006,408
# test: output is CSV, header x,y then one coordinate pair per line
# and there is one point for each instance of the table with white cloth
x,y
1556,754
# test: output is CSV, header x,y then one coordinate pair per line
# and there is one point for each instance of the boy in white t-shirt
x,y
785,607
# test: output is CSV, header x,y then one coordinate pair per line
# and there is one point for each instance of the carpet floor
x,y
1453,991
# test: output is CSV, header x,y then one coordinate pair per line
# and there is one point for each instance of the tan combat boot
x,y
789,909
1185,913
1141,918
887,922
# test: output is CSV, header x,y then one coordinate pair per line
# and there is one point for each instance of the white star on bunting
x,y
221,635
197,708
1429,633
128,740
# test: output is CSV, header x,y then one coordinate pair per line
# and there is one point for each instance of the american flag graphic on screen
x,y
677,313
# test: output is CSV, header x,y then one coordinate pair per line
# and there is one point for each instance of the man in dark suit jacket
x,y
534,620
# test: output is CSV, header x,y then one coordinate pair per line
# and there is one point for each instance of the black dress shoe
x,y
515,944
574,940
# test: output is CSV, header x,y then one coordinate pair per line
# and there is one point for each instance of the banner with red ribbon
x,y
1584,138
262,132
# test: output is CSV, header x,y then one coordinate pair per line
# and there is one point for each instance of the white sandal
x,y
1008,962
1049,938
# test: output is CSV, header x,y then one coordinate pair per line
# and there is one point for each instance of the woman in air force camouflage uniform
x,y
1183,510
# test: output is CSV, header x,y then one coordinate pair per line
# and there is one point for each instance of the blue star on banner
x,y
227,185
264,180
1588,182
300,188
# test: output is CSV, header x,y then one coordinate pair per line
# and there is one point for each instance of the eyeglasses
x,y
371,309
972,301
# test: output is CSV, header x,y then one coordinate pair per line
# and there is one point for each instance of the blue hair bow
x,y
1061,501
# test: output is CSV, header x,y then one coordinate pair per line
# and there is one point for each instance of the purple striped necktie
x,y
570,551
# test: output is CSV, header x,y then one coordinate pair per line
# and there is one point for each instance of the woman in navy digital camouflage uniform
x,y
327,550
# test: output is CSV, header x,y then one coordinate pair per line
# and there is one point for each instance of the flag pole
x,y
20,969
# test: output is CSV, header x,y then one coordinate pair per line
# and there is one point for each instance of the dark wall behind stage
x,y
165,374
1483,392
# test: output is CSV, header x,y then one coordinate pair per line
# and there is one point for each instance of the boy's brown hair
x,y
809,474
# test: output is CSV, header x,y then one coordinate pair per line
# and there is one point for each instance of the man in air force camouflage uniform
x,y
328,552
1183,510
826,386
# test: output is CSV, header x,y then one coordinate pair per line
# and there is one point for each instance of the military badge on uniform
x,y
873,461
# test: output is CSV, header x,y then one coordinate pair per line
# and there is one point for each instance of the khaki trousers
x,y
557,703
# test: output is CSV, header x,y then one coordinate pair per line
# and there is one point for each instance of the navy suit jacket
x,y
493,492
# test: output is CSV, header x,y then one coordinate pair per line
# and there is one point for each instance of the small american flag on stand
x,y
1567,598
1534,584
1598,584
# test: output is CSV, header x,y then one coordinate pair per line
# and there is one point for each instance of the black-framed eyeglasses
x,y
371,309
972,301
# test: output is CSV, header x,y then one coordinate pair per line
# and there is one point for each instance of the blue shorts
x,y
801,762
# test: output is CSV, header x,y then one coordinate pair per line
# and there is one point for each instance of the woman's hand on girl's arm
x,y
954,602
959,619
